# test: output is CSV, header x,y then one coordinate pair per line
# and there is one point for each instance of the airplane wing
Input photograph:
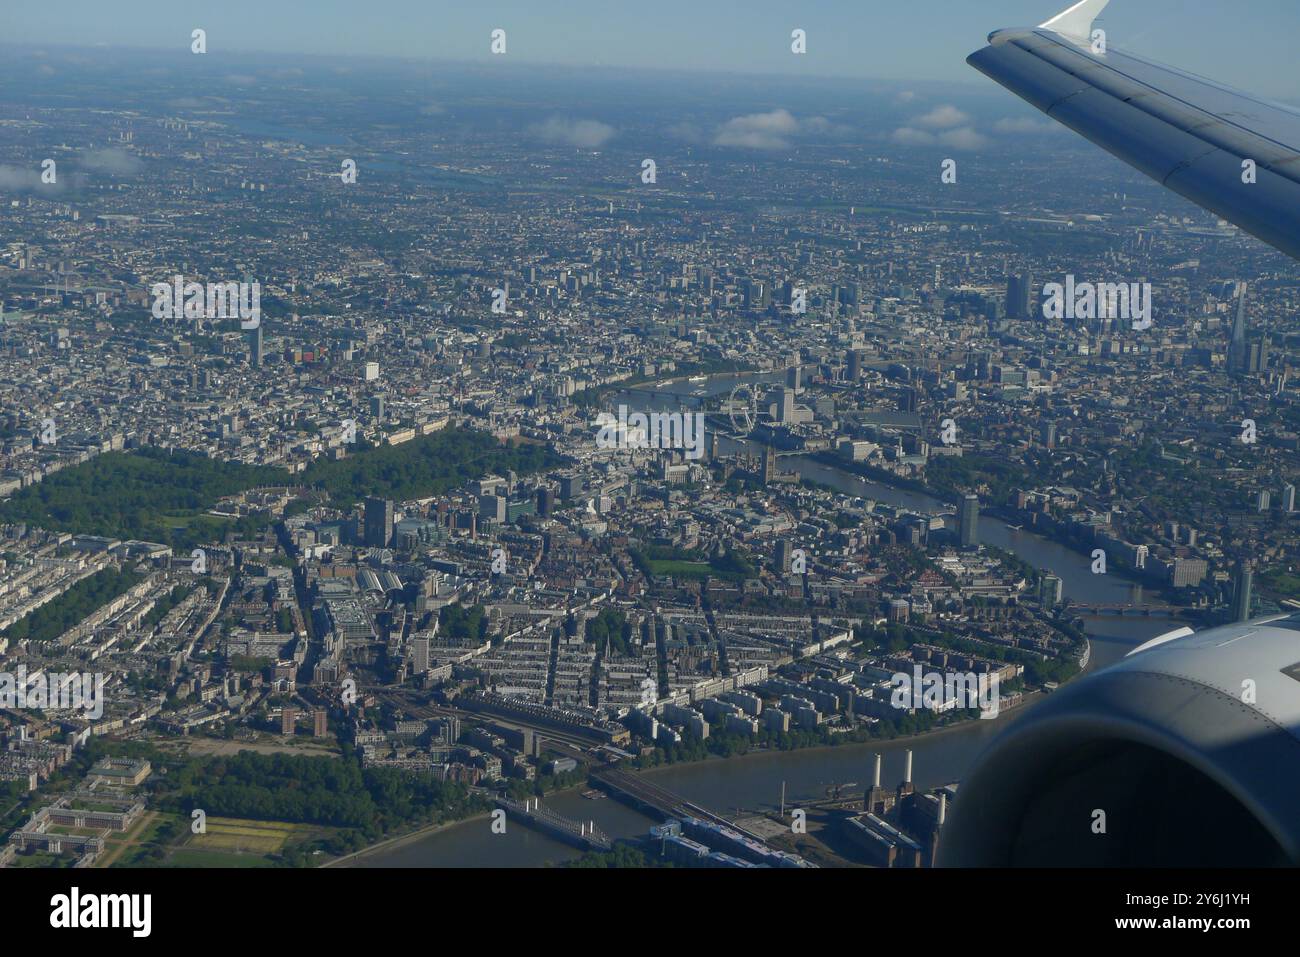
x,y
1193,135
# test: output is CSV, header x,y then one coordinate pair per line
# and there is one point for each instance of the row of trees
x,y
611,625
429,465
73,606
457,621
151,494
162,495
317,790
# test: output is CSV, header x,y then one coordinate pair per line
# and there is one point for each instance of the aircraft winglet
x,y
1077,21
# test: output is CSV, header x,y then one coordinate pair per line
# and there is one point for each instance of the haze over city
x,y
646,438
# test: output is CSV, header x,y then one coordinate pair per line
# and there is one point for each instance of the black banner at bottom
x,y
342,907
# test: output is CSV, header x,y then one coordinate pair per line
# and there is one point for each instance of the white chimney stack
x,y
943,807
875,782
907,773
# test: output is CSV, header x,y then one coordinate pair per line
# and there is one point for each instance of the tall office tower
x,y
784,404
545,501
1264,501
1241,596
1257,356
492,508
854,362
1014,297
1238,353
1288,498
969,519
792,378
379,522
1049,434
377,407
1020,296
255,353
784,553
419,655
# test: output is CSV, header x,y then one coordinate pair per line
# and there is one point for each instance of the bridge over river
x,y
587,836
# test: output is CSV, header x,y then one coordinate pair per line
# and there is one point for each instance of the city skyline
x,y
529,461
846,41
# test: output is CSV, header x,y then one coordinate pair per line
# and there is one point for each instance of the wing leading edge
x,y
1190,134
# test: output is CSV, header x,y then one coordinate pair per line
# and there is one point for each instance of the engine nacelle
x,y
1184,754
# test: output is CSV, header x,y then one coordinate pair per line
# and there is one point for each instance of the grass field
x,y
680,569
234,836
42,859
165,840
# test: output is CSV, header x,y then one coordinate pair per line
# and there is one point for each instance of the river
x,y
755,780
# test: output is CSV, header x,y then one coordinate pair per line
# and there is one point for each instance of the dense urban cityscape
x,y
408,464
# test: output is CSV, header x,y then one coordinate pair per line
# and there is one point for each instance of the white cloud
x,y
965,138
760,131
110,161
906,136
16,177
584,134
942,118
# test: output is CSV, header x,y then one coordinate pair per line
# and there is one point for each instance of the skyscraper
x,y
1020,296
255,347
1238,354
379,522
785,405
1241,597
784,551
1288,498
969,521
492,508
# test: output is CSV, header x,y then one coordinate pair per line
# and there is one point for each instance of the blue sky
x,y
1247,43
